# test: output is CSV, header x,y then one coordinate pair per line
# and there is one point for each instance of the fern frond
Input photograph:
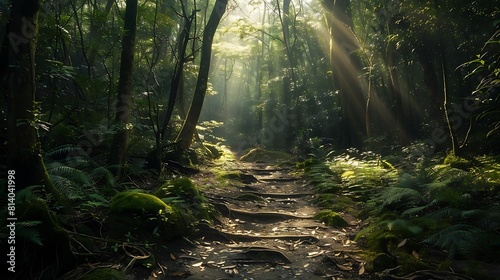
x,y
460,239
66,149
26,231
446,213
72,174
103,172
397,198
414,210
28,193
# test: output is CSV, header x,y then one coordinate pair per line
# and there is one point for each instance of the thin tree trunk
x,y
122,119
179,70
185,137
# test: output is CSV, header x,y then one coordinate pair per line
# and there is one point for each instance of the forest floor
x,y
266,230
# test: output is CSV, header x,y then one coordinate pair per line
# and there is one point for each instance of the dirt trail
x,y
266,231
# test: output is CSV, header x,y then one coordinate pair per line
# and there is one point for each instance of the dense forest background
x,y
98,93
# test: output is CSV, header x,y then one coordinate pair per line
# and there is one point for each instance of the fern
x,y
458,240
103,173
28,193
26,230
65,150
400,198
72,174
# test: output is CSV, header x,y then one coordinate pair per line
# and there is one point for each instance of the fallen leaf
x,y
172,256
402,243
361,269
415,254
343,267
197,264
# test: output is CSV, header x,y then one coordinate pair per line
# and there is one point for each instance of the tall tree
x,y
188,129
18,75
122,119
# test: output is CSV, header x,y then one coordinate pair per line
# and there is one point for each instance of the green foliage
x,y
186,195
180,187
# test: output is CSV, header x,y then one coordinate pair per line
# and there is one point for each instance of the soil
x,y
265,230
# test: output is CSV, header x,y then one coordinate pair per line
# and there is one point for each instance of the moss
x,y
259,154
331,218
457,162
133,202
335,202
104,274
145,216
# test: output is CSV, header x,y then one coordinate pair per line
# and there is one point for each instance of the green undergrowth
x,y
416,216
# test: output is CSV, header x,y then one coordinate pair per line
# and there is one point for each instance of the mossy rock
x,y
335,202
261,155
54,256
145,216
104,274
331,218
180,187
134,202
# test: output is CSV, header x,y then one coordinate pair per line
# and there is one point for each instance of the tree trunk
x,y
24,153
185,137
122,119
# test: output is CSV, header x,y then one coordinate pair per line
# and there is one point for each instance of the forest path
x,y
266,231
